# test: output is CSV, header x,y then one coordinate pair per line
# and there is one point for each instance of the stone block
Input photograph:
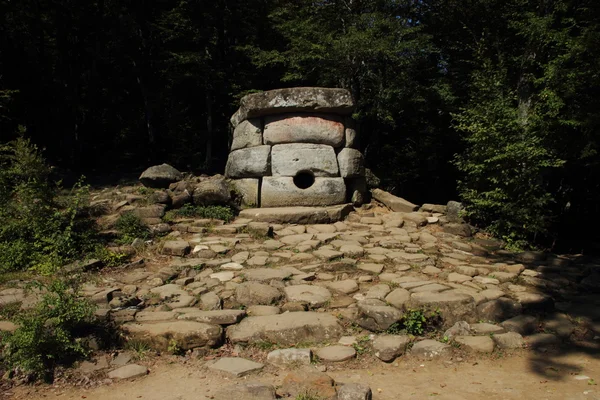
x,y
304,128
252,162
351,162
248,190
289,159
247,134
283,192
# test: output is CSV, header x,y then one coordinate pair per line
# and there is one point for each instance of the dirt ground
x,y
570,374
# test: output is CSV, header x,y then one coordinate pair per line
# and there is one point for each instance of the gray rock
x,y
247,134
541,340
283,192
453,211
394,203
259,311
303,128
453,305
186,334
509,340
535,301
479,344
336,353
314,296
398,298
153,211
247,189
122,359
217,317
461,328
160,176
354,391
377,316
252,162
285,357
253,293
210,301
235,366
499,309
213,191
246,391
373,181
388,347
351,162
128,371
299,99
351,133
266,274
289,159
175,248
430,349
523,324
298,215
458,229
486,329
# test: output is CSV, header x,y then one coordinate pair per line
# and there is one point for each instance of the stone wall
x,y
296,147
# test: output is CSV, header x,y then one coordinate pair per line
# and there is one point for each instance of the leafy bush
x,y
212,212
417,322
38,228
131,227
48,334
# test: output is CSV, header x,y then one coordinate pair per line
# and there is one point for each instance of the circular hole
x,y
304,179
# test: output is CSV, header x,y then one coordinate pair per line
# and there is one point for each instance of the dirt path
x,y
519,376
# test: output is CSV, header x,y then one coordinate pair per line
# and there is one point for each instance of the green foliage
x,y
362,344
48,334
174,348
211,212
38,228
310,395
109,257
139,348
416,322
131,227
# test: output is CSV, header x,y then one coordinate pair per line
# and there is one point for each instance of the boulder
x,y
160,176
479,344
388,347
377,316
458,229
351,162
247,189
303,128
453,211
351,134
290,159
299,99
247,134
252,162
394,203
283,192
213,191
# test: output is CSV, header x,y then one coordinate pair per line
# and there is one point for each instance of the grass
x,y
10,311
308,396
140,349
15,276
210,212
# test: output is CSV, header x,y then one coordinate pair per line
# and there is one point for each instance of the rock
x,y
486,329
213,191
247,134
458,229
351,162
458,278
453,211
315,296
302,382
354,391
415,219
252,162
7,326
286,329
298,215
266,274
283,191
122,359
177,248
509,340
285,357
150,212
430,349
260,228
210,301
523,324
373,181
186,334
216,317
246,391
160,176
377,316
479,344
352,251
346,286
461,328
388,347
499,309
299,99
336,353
247,189
398,298
302,128
394,203
558,323
378,292
223,276
541,339
128,371
326,254
535,301
235,366
290,159
259,311
232,266
453,305
252,293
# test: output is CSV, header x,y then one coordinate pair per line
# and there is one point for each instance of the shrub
x,y
48,334
131,227
417,322
190,211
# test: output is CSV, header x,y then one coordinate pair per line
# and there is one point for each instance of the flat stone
x,y
461,328
266,274
372,268
523,324
432,287
499,309
217,317
388,347
430,349
509,340
224,276
454,306
175,248
478,344
154,316
246,391
232,266
235,366
187,334
458,278
258,310
346,286
286,329
535,301
253,293
394,203
354,391
315,296
282,192
378,292
542,339
336,353
486,329
290,159
301,382
302,128
377,316
128,371
285,357
398,298
352,251
326,254
210,301
251,162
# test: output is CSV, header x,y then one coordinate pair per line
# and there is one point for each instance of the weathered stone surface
x,y
479,344
213,191
314,296
248,190
430,349
7,326
247,134
303,128
398,298
298,215
346,286
523,324
351,162
498,310
253,293
486,329
187,334
150,212
388,347
286,329
351,133
509,340
176,248
216,317
394,203
252,162
354,391
260,311
541,340
299,99
535,301
453,210
461,328
283,192
160,176
336,353
246,391
377,316
453,305
286,357
289,159
235,366
267,274
128,371
304,381
458,229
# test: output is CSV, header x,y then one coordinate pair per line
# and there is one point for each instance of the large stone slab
x,y
394,203
286,329
289,159
252,162
304,128
235,366
453,305
351,162
247,188
315,99
187,334
283,192
315,296
247,134
298,215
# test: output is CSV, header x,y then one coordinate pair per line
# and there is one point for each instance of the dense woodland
x,y
493,102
